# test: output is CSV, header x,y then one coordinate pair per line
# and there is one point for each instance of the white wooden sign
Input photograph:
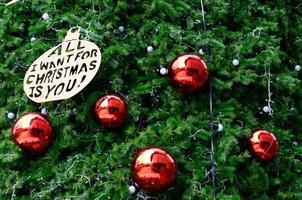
x,y
63,71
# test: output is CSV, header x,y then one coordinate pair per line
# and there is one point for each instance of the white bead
x,y
235,62
121,28
136,119
295,143
150,49
201,52
220,128
266,109
11,115
131,189
297,68
45,16
44,111
33,39
163,71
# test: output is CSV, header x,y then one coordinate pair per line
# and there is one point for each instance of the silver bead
x,y
121,29
45,16
44,111
235,62
297,68
150,49
163,71
136,119
11,115
131,189
266,109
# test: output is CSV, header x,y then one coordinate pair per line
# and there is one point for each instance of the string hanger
x,y
203,16
212,131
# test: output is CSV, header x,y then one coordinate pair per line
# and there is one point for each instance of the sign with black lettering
x,y
63,71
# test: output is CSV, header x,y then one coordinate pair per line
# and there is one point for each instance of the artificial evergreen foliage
x,y
86,162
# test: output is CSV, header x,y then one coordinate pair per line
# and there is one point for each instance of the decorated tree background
x,y
87,162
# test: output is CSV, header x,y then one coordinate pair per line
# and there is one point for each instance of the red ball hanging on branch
x,y
110,111
264,145
32,132
188,73
153,169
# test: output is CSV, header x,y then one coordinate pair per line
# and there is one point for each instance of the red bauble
x,y
110,111
153,169
188,73
32,132
264,145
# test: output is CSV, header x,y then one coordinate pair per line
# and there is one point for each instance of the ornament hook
x,y
73,34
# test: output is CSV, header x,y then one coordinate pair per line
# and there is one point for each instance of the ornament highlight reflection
x,y
188,73
32,132
110,111
153,169
264,145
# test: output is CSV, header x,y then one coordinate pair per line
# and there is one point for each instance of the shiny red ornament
x,y
110,111
264,145
153,169
188,73
32,132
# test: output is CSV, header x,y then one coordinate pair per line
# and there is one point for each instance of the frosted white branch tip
x,y
220,128
11,2
201,52
33,39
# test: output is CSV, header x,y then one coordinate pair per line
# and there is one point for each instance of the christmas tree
x,y
252,50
